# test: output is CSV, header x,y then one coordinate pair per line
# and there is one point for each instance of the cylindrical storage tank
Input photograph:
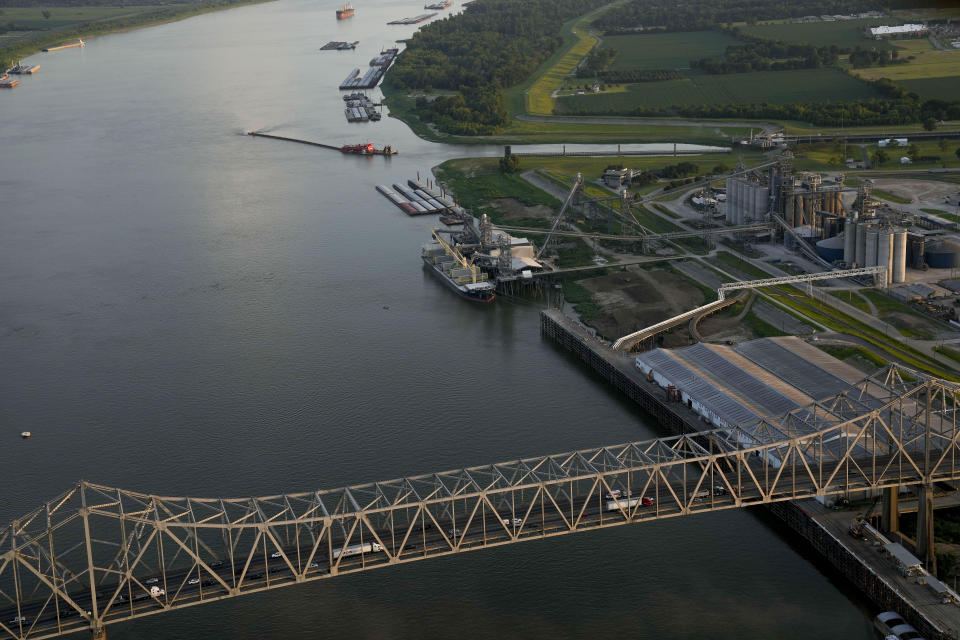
x,y
942,254
860,252
885,253
899,255
831,249
870,258
849,241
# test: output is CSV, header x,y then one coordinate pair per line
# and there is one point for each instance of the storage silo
x,y
870,259
849,240
831,249
860,251
885,254
899,255
942,254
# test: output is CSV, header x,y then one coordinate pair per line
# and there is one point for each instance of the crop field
x,y
934,88
773,87
843,33
665,50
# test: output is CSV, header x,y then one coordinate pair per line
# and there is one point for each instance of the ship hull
x,y
343,15
436,271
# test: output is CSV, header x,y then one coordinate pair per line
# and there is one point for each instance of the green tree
x,y
46,14
913,151
510,164
930,123
880,156
958,152
943,144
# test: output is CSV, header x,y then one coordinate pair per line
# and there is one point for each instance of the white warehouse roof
x,y
903,28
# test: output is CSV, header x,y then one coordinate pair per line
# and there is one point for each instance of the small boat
x,y
344,12
25,434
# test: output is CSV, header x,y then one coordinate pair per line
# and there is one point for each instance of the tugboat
x,y
367,149
344,12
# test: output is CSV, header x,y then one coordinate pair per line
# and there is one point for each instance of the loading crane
x,y
577,185
456,255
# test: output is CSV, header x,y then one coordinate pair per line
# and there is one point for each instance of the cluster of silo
x,y
801,207
747,201
867,244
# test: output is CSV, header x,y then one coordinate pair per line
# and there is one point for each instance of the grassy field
x,y
843,33
665,50
592,168
534,95
935,88
32,17
931,74
774,87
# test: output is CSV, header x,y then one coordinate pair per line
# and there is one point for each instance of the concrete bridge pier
x,y
890,516
99,634
925,548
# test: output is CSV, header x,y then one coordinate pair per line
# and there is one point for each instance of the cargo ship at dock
x,y
461,276
344,12
21,69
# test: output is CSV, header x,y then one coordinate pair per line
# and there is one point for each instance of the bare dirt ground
x,y
927,192
636,298
513,209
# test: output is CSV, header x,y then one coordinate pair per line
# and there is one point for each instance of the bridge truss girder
x,y
90,557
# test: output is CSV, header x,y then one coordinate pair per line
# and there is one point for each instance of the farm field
x,y
843,33
773,87
931,74
934,88
32,17
665,50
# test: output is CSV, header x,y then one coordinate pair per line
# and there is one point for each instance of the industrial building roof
x,y
759,379
903,28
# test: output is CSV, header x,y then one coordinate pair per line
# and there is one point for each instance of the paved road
x,y
658,122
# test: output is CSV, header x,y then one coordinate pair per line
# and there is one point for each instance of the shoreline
x,y
34,45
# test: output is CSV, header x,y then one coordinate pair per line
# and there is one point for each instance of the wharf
x,y
825,530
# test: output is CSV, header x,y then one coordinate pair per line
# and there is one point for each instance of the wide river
x,y
185,310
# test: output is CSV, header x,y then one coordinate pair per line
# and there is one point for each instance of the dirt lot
x,y
636,298
513,209
924,192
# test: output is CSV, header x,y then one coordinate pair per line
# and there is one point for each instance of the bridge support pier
x,y
925,547
890,517
99,634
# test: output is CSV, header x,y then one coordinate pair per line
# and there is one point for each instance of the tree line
x,y
700,15
491,45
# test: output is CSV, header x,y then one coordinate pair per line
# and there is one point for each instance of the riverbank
x,y
79,25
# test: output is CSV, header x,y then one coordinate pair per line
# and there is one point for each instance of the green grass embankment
x,y
68,23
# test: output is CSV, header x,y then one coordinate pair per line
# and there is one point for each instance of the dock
x,y
6,82
414,20
825,530
257,134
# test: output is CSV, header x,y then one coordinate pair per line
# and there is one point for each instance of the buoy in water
x,y
25,434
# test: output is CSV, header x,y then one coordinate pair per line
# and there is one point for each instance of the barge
x,y
414,20
6,82
78,43
438,6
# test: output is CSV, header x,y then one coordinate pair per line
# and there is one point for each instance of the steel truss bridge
x,y
98,555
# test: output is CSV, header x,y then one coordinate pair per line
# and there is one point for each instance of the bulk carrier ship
x,y
344,12
463,277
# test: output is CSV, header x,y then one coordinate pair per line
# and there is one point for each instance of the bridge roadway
x,y
89,557
256,572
